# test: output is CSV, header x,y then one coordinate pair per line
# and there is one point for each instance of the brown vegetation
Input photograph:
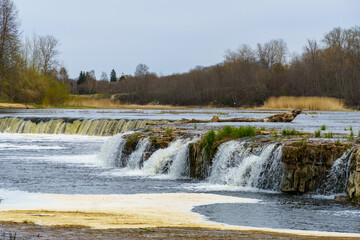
x,y
304,103
95,101
248,77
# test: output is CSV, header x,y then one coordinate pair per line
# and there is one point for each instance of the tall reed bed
x,y
305,103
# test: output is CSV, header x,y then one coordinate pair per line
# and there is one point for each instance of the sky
x,y
174,36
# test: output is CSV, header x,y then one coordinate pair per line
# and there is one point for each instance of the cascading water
x,y
160,161
91,127
237,165
111,151
172,160
136,158
336,179
272,172
180,166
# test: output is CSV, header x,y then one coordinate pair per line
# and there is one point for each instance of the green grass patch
x,y
329,135
318,134
323,127
289,132
351,137
226,132
168,132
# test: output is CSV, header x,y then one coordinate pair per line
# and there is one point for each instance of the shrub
x,y
318,134
323,127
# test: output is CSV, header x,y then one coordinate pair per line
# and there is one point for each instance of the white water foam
x,y
90,160
136,157
27,137
111,150
158,160
237,165
6,146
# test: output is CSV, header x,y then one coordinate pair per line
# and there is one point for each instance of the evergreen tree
x,y
81,78
113,76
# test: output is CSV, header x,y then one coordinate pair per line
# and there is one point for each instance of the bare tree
x,y
48,53
243,53
271,53
90,81
41,53
104,77
141,70
9,46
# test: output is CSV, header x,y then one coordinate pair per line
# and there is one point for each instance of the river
x,y
34,164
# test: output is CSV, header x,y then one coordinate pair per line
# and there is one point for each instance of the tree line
x,y
247,77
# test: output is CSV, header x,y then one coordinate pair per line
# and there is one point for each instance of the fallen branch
x,y
282,117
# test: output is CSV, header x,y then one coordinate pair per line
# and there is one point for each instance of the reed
x,y
304,103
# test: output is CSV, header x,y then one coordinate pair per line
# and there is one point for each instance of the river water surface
x,y
72,164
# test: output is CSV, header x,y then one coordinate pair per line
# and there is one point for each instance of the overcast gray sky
x,y
173,36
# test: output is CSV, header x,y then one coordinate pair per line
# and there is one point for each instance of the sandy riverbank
x,y
170,210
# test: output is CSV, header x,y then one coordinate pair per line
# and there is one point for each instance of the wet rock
x,y
353,184
307,163
341,199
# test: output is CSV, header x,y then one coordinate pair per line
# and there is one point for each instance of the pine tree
x,y
81,78
113,76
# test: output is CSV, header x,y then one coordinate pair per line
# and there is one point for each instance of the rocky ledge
x,y
305,163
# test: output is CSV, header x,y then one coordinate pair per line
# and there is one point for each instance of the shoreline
x,y
134,211
157,107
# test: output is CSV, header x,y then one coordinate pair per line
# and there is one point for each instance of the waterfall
x,y
172,161
111,151
236,164
136,157
180,166
336,180
272,172
91,127
160,161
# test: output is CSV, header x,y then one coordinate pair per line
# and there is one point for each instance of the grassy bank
x,y
98,101
304,103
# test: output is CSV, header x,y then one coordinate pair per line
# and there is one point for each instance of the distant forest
x,y
247,77
30,72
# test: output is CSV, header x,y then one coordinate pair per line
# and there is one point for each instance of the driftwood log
x,y
282,117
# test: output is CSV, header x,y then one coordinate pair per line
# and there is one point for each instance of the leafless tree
x,y
104,77
271,53
9,47
141,70
48,53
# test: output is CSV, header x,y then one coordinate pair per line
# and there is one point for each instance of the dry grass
x,y
89,101
15,106
304,103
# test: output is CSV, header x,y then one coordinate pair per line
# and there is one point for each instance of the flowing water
x,y
33,162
